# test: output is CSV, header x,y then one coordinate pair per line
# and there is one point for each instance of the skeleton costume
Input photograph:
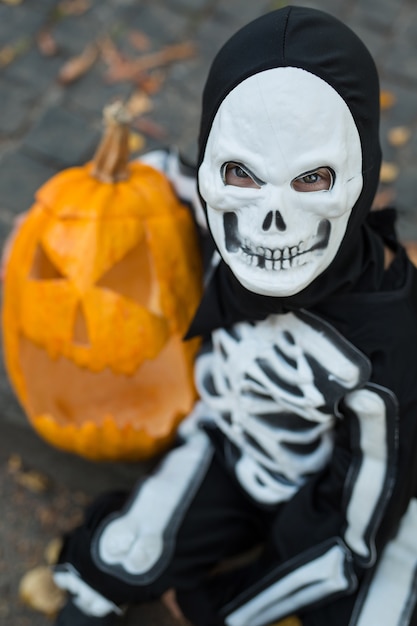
x,y
303,441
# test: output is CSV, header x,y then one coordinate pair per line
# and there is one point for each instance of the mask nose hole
x,y
274,219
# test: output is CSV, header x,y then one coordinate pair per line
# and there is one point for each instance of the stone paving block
x,y
376,42
238,13
406,224
411,147
191,6
179,118
378,14
406,200
62,138
72,33
338,8
91,92
401,62
405,27
34,71
210,35
10,408
388,151
161,24
20,177
15,108
43,5
20,22
404,110
190,76
76,473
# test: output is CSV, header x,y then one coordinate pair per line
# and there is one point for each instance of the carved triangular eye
x,y
43,268
131,277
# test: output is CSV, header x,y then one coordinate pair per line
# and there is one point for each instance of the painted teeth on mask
x,y
250,259
274,259
259,256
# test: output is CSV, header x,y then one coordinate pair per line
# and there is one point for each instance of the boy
x,y
303,442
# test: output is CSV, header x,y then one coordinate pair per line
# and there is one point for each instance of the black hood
x,y
319,43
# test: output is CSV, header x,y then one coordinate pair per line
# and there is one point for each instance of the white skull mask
x,y
280,130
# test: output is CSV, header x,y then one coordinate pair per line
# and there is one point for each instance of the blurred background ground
x,y
60,63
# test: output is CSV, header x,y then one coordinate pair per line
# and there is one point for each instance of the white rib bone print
x,y
273,388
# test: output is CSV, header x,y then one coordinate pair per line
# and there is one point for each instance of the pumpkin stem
x,y
110,162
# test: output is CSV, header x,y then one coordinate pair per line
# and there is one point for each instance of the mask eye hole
x,y
320,179
239,175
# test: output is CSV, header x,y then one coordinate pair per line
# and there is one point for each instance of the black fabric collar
x,y
225,302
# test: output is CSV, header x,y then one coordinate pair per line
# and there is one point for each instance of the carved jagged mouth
x,y
274,258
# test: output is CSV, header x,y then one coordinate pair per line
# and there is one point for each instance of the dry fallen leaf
x,y
399,135
32,480
139,103
14,463
47,44
136,142
7,55
38,590
389,172
11,51
76,67
53,550
387,99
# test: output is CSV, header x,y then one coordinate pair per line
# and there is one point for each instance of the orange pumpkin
x,y
101,283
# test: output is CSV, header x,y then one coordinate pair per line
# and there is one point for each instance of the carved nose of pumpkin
x,y
80,334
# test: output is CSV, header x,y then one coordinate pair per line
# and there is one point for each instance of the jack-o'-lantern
x,y
101,283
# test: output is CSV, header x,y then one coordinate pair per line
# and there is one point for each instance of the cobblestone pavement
x,y
46,125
